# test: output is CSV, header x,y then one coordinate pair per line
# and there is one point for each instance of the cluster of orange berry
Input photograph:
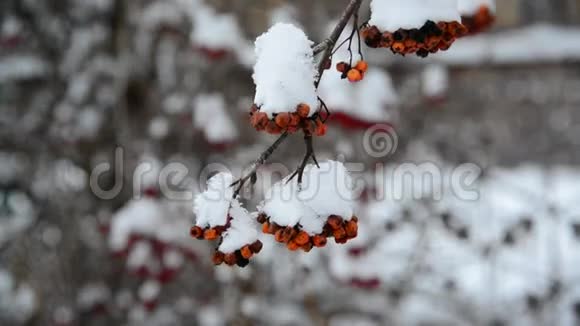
x,y
209,234
480,21
354,74
430,38
240,257
295,238
288,121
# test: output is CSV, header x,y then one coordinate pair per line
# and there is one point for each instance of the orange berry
x,y
319,241
303,110
256,247
273,228
279,235
398,47
230,259
354,76
339,234
321,128
307,247
196,232
342,67
335,222
292,246
210,234
218,258
262,218
259,120
362,66
302,238
387,40
351,229
282,120
266,228
294,120
272,128
246,252
287,234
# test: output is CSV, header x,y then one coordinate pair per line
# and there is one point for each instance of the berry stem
x,y
309,154
251,174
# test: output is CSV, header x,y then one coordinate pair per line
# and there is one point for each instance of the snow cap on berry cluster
x,y
211,207
285,72
470,7
391,15
243,230
324,191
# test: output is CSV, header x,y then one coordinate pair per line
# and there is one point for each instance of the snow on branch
x,y
285,72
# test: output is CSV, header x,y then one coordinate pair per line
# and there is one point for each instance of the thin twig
x,y
309,154
251,174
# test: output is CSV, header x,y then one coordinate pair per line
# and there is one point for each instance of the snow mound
x,y
390,15
324,191
243,230
285,72
211,207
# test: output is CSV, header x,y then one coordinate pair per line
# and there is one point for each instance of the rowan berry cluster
x,y
353,73
240,257
209,233
295,238
430,38
480,21
288,121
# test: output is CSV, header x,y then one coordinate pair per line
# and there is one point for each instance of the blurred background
x,y
92,89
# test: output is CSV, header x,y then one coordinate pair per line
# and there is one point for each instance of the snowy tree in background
x,y
285,126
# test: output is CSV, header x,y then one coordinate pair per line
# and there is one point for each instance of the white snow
x,y
324,192
215,31
139,255
535,44
210,115
149,291
243,230
470,7
92,294
285,72
211,207
390,15
18,214
22,67
435,80
151,218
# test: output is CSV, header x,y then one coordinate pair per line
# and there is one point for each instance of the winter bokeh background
x,y
115,85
